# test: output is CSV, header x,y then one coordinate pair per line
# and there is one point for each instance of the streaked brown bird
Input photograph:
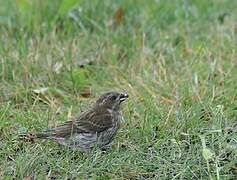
x,y
95,127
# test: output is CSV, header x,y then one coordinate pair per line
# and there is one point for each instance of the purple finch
x,y
95,127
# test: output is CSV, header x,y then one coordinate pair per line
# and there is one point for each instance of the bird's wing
x,y
87,122
94,121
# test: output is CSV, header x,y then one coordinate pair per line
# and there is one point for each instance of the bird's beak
x,y
123,97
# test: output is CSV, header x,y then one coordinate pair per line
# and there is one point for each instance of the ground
x,y
175,58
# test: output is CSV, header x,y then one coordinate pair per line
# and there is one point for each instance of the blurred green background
x,y
175,58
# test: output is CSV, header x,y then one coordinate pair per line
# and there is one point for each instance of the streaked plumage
x,y
95,127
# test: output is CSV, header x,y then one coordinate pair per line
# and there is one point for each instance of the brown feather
x,y
92,121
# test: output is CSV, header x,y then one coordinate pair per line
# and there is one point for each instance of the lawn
x,y
177,59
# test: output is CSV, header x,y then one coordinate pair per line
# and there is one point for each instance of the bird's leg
x,y
106,147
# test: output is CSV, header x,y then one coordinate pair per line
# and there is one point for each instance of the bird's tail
x,y
31,136
47,134
43,135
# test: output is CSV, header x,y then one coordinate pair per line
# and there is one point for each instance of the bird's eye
x,y
113,97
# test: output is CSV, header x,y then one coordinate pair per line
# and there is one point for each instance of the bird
x,y
95,127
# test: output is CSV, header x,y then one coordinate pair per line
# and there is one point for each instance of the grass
x,y
177,61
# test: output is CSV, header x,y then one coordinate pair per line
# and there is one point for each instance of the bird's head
x,y
111,100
